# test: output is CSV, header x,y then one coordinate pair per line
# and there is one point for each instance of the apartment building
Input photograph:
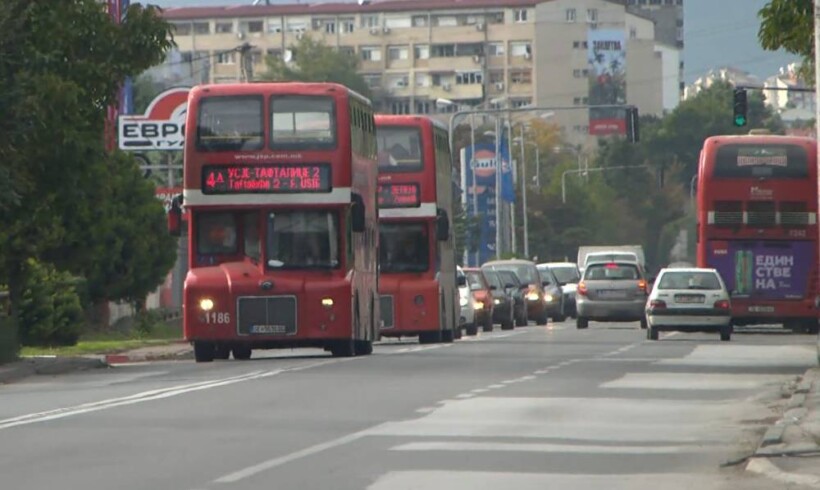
x,y
461,53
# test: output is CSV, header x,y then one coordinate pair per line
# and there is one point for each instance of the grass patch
x,y
111,342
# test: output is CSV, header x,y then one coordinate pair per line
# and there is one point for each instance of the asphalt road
x,y
535,408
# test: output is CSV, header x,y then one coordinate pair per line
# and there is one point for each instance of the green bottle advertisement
x,y
744,272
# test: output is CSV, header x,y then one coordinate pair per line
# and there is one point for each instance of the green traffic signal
x,y
740,106
740,120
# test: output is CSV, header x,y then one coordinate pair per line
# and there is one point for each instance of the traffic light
x,y
632,124
740,108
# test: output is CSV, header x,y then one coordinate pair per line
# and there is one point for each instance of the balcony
x,y
453,63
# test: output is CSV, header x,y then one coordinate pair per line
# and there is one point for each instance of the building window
x,y
592,15
496,76
520,77
419,21
633,33
182,29
256,56
495,49
571,15
422,80
397,81
255,26
296,26
469,78
400,107
445,21
274,26
330,27
398,22
654,2
437,79
371,53
370,21
421,51
580,100
276,53
226,58
517,103
202,28
520,49
373,80
347,50
521,15
576,73
224,27
443,50
423,107
395,53
348,26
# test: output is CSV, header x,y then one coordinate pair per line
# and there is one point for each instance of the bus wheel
x,y
429,337
204,351
343,348
222,351
363,347
242,352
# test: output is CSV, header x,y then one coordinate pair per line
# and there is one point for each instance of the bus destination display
x,y
399,196
265,178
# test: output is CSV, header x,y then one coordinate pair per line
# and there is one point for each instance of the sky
x,y
716,33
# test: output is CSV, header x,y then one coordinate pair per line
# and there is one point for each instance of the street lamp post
x,y
593,169
521,142
692,190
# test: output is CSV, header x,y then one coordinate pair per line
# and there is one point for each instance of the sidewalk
x,y
790,450
51,365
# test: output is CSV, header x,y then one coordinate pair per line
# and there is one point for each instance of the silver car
x,y
611,292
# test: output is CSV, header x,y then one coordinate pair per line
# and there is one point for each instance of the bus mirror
x,y
357,214
175,217
442,226
462,281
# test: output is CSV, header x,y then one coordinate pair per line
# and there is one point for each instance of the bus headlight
x,y
206,304
327,302
533,296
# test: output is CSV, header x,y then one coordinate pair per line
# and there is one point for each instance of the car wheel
x,y
471,329
644,324
581,323
488,325
521,321
204,351
559,318
652,333
507,324
725,334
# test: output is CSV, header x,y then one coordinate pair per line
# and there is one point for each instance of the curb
x,y
48,366
793,414
113,359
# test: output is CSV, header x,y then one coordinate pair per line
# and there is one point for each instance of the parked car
x,y
482,301
689,300
517,290
611,292
567,275
467,316
503,302
527,273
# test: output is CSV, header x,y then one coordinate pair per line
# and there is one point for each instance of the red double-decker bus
x,y
757,225
417,279
280,186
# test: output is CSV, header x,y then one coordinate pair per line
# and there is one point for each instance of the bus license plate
x,y
267,329
761,309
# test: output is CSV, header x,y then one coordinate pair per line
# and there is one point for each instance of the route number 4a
x,y
217,317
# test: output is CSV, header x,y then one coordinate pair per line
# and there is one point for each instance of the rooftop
x,y
184,13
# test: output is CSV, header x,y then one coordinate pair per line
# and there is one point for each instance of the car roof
x,y
687,269
509,262
558,264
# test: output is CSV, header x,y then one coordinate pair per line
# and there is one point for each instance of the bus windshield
x,y
303,240
399,148
302,122
404,247
743,161
232,123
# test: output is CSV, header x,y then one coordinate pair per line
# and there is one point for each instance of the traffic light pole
x,y
817,66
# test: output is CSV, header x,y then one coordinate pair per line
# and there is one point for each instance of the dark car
x,y
483,301
568,278
502,301
518,291
527,273
554,297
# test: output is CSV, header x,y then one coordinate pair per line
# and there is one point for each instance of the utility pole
x,y
245,62
498,188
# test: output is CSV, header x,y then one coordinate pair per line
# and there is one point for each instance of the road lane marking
x,y
547,448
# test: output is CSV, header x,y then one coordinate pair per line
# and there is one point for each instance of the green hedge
x,y
50,309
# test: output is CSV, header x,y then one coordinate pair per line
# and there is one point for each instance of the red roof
x,y
232,11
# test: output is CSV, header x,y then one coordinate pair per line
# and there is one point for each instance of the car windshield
x,y
525,273
509,277
404,247
303,240
610,257
689,280
565,274
493,279
474,280
611,272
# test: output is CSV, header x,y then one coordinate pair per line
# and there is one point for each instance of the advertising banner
x,y
763,269
606,54
479,182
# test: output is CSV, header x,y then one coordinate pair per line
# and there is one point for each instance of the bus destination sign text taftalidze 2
x,y
265,178
399,196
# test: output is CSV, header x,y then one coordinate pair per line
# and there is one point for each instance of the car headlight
x,y
206,304
533,296
496,301
478,305
463,301
549,298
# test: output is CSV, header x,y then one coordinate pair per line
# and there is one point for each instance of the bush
x,y
50,310
8,339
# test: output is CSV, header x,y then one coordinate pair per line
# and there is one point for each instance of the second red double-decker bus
x,y
417,278
757,225
280,184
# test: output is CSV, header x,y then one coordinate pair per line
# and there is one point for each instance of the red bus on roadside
x,y
417,279
280,187
757,225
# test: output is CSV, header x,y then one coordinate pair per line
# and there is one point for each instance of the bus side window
x,y
250,229
349,240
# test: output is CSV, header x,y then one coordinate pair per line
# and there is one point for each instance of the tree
x,y
314,61
51,145
789,25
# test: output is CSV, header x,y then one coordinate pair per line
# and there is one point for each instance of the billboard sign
x,y
162,127
764,270
606,55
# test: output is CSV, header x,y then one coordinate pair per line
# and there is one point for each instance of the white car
x,y
467,317
689,300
